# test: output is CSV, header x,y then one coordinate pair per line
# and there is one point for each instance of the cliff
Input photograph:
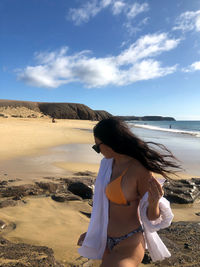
x,y
54,110
25,109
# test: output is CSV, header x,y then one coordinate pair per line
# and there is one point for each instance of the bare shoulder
x,y
140,176
139,171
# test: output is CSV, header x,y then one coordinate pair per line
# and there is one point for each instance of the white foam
x,y
156,128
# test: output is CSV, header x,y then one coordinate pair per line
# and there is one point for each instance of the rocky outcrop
x,y
79,187
182,191
63,197
183,241
24,255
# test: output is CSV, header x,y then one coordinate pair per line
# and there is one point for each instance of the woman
x,y
132,162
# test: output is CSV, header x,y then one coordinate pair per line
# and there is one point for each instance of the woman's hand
x,y
81,239
155,192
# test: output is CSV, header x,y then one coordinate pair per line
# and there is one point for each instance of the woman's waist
x,y
122,227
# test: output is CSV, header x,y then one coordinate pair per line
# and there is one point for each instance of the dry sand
x,y
30,136
43,221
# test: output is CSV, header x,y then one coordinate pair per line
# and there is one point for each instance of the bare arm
x,y
155,193
147,183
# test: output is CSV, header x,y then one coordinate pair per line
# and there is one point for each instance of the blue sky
x,y
123,56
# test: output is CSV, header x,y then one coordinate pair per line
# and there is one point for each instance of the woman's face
x,y
105,150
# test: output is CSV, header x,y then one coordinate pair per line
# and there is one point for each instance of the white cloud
x,y
188,21
196,65
193,67
118,7
91,8
88,10
197,23
132,28
147,46
136,9
105,3
144,70
133,64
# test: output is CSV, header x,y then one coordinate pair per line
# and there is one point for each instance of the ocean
x,y
182,138
179,127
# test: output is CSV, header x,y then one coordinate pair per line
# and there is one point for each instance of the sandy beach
x,y
32,149
31,136
23,143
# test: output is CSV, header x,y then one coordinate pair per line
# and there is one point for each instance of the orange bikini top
x,y
114,191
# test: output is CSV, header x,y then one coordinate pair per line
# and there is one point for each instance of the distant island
x,y
28,109
146,118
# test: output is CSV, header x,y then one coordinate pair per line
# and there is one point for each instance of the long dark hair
x,y
116,134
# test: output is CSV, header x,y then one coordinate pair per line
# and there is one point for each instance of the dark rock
x,y
198,213
68,189
7,203
20,191
12,181
81,190
186,245
87,214
50,187
183,241
86,173
65,197
88,181
50,178
17,198
2,224
2,183
24,255
182,191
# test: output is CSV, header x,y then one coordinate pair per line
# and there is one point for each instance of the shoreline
x,y
40,140
59,162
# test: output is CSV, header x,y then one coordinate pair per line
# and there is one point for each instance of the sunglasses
x,y
97,147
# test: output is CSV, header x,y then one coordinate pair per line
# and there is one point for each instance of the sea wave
x,y
156,128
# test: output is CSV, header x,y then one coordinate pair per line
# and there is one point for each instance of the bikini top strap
x,y
124,172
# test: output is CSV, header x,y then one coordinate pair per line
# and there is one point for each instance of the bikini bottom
x,y
113,241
